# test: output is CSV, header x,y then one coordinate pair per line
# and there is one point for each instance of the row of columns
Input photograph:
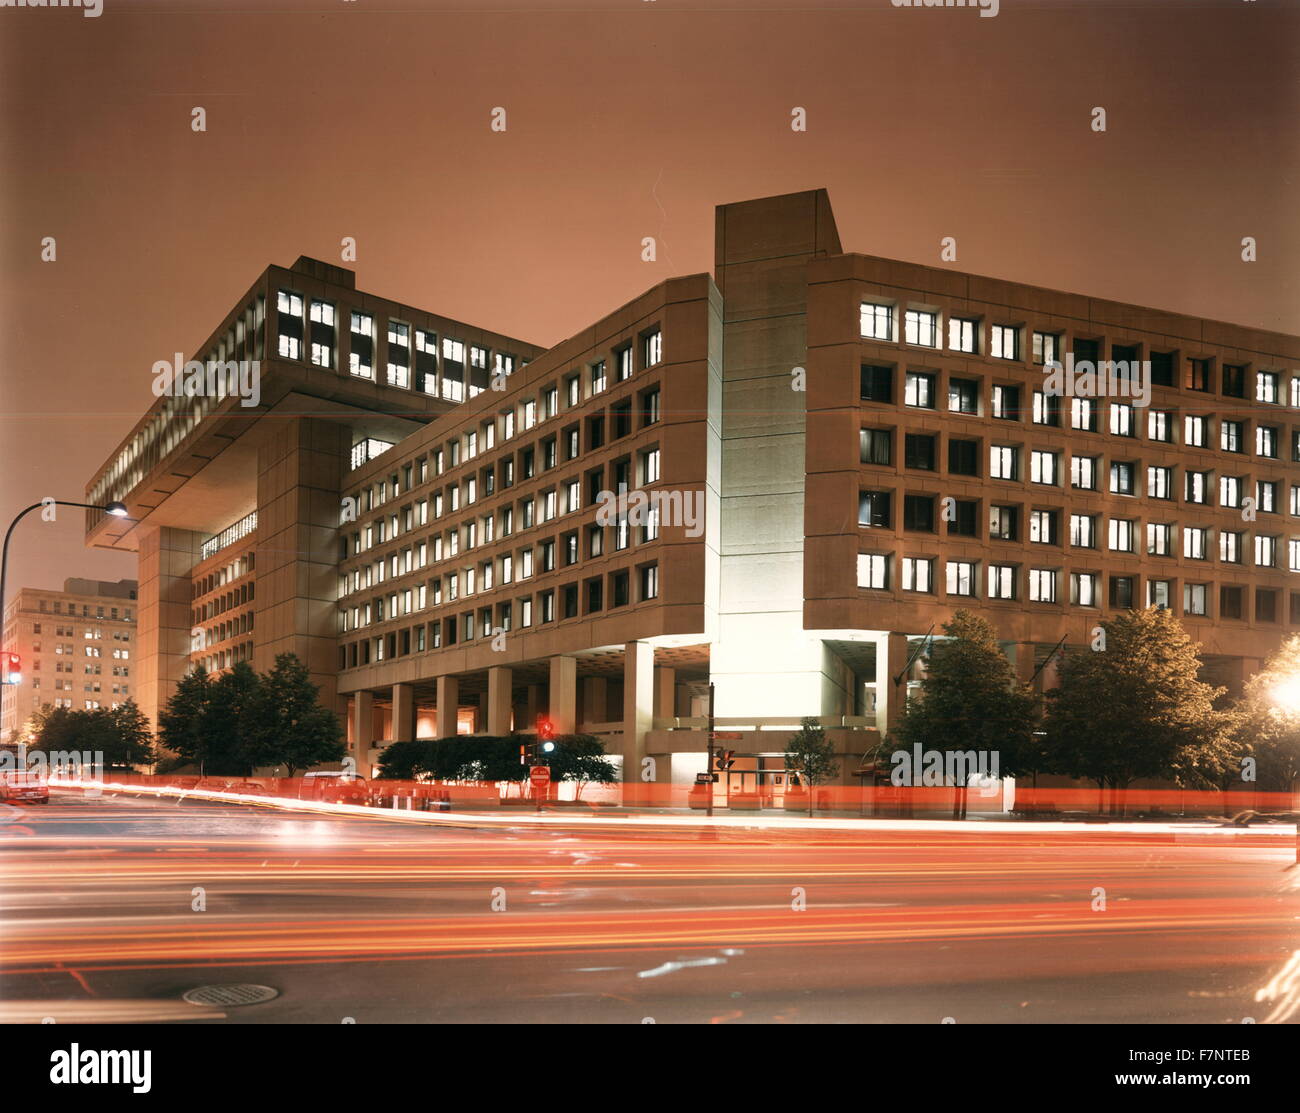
x,y
647,692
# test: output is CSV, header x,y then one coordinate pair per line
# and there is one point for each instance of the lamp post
x,y
116,509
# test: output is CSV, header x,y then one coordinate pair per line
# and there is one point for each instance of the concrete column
x,y
564,694
1022,657
535,705
363,725
595,699
891,657
448,705
164,615
638,705
301,464
403,713
665,693
500,680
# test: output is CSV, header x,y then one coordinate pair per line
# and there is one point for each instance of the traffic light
x,y
726,759
545,731
11,666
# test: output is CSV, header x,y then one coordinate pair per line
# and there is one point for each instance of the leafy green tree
x,y
1268,719
235,722
53,728
293,728
811,755
133,737
1137,708
580,758
461,757
120,736
182,726
970,699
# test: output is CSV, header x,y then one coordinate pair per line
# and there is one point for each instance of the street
x,y
112,908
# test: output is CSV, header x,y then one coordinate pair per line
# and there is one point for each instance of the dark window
x,y
877,446
918,512
620,589
965,520
595,431
595,595
877,383
621,419
963,396
963,457
570,600
874,509
1162,368
919,451
1198,374
1295,608
1234,381
1121,592
1230,602
1265,605
1089,350
1126,354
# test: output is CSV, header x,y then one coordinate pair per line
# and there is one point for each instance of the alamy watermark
x,y
240,379
1103,379
91,9
664,508
936,768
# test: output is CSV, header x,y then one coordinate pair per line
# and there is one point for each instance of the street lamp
x,y
115,508
1285,694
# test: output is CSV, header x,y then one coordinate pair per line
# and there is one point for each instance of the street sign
x,y
539,775
706,778
725,735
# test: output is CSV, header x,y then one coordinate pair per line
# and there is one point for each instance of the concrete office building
x,y
822,456
235,505
78,649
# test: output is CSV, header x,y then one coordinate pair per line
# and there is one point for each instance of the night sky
x,y
625,119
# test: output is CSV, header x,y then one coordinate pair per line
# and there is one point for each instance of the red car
x,y
25,787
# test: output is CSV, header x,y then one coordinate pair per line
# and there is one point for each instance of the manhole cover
x,y
229,995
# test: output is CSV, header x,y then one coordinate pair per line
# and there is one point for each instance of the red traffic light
x,y
11,665
545,729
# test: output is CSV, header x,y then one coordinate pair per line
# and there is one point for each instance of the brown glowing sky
x,y
627,118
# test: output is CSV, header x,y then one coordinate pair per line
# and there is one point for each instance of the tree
x,y
293,729
182,726
970,699
53,728
811,754
235,722
1136,707
580,758
1268,719
119,737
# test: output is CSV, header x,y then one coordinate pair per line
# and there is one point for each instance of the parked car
x,y
24,787
333,787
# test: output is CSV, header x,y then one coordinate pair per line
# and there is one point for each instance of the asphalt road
x,y
110,909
